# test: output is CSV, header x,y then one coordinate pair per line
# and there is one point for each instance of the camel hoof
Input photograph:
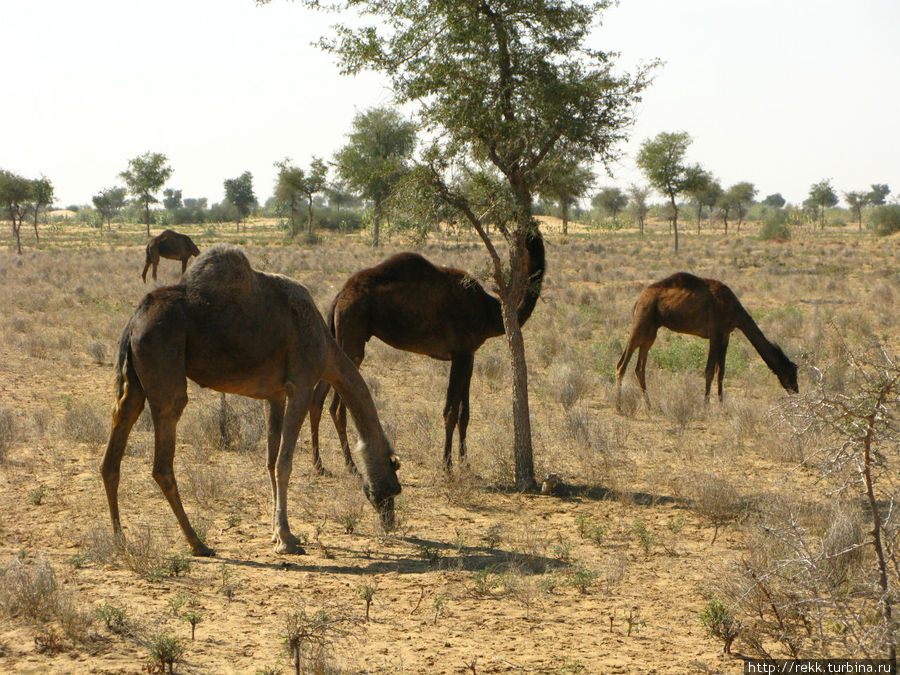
x,y
319,470
288,545
201,550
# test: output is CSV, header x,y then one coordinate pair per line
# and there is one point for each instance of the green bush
x,y
775,226
886,219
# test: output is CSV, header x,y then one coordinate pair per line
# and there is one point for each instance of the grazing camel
x,y
172,245
233,329
418,307
704,307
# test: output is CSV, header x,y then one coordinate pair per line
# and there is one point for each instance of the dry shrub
x,y
713,498
492,368
32,592
143,553
680,399
569,384
236,424
83,423
7,432
97,351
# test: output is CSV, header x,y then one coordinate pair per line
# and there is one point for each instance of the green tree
x,y
294,184
822,196
108,204
878,193
774,200
612,201
172,199
702,189
502,88
857,201
145,176
239,192
663,163
14,195
741,197
566,180
638,204
40,196
376,157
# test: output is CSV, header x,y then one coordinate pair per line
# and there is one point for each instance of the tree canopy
x,y
293,184
823,197
376,156
239,191
145,176
566,179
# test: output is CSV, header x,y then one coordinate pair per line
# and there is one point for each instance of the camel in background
x,y
704,307
172,245
418,307
236,330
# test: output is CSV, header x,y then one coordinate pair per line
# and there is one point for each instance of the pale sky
x,y
781,93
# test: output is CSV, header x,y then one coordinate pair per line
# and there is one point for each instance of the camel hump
x,y
221,270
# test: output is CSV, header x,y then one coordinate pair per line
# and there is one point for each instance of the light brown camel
x,y
236,330
172,245
418,307
704,307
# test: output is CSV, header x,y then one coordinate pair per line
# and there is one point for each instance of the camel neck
x,y
759,341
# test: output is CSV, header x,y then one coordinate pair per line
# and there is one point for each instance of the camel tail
x,y
537,264
124,364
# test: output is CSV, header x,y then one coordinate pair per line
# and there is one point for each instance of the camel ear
x,y
395,462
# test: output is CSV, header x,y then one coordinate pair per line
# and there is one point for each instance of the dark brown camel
x,y
236,330
418,307
172,245
704,307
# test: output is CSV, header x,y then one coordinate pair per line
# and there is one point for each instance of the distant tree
x,y
878,193
611,201
293,184
857,201
822,196
710,197
239,191
741,197
775,200
145,176
195,203
663,163
339,199
14,196
638,204
172,199
565,180
376,157
40,195
108,204
700,183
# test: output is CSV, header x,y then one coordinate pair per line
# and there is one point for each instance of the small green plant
x,y
114,618
193,615
562,550
77,560
36,496
367,594
582,579
178,564
720,622
588,529
634,621
267,670
485,580
349,521
493,536
439,606
430,554
165,651
644,536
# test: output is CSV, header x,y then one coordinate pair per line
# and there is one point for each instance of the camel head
x,y
380,483
787,372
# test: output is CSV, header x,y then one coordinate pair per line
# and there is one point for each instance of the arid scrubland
x,y
643,560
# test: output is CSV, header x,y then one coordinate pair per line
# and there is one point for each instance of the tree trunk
x,y
674,220
147,216
699,216
376,223
293,219
37,239
309,217
15,229
565,217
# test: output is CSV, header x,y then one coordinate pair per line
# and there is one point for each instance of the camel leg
x,y
621,366
338,412
463,422
125,413
295,412
274,425
144,273
183,265
155,265
723,350
460,366
166,412
712,359
315,415
640,370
